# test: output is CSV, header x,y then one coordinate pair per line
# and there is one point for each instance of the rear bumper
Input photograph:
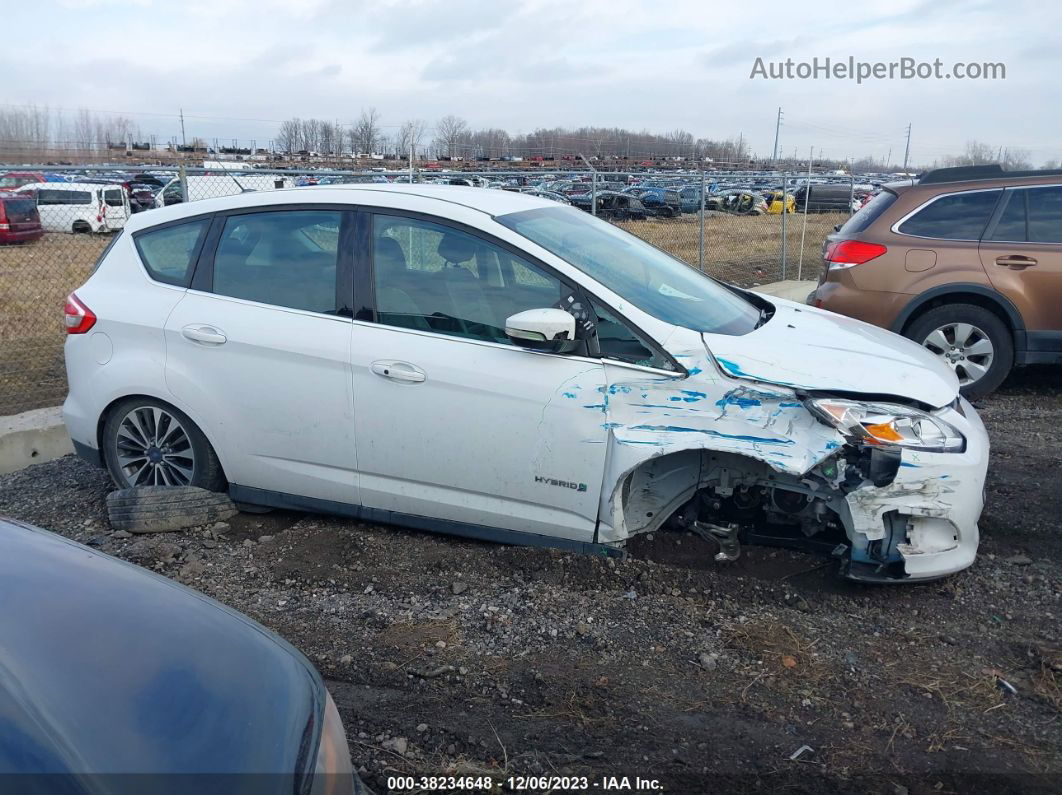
x,y
8,236
877,308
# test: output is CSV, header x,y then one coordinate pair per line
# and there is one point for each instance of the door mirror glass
x,y
551,330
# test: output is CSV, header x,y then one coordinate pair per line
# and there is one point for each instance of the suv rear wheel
x,y
149,443
971,340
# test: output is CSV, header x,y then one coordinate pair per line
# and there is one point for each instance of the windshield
x,y
649,278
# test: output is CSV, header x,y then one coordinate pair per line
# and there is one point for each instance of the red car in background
x,y
19,220
16,179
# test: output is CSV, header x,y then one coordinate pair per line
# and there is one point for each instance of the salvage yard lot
x,y
449,656
36,278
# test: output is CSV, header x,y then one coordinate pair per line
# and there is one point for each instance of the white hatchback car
x,y
499,366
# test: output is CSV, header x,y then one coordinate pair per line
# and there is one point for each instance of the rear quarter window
x,y
169,253
956,216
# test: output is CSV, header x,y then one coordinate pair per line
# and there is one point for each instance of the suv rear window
x,y
955,216
19,211
168,253
868,213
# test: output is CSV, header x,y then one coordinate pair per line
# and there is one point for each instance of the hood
x,y
809,348
109,669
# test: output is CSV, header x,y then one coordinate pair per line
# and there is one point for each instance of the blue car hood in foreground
x,y
106,668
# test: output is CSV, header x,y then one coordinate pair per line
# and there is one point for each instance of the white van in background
x,y
80,206
211,186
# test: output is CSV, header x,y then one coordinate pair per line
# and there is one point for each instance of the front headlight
x,y
333,772
887,425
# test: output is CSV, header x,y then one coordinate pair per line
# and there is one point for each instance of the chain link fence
x,y
727,224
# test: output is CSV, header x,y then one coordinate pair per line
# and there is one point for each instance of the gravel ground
x,y
455,657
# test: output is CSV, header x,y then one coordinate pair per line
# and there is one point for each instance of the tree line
x,y
33,128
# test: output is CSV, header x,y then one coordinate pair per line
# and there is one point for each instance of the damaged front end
x,y
892,491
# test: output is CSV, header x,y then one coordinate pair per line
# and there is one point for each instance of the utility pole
x,y
183,141
907,150
888,159
777,128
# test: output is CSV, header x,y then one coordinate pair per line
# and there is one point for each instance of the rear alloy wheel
x,y
148,443
971,340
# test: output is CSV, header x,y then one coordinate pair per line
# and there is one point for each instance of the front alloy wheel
x,y
965,348
152,448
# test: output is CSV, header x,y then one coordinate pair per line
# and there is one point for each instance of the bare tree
x,y
329,134
366,132
289,135
84,130
409,137
450,133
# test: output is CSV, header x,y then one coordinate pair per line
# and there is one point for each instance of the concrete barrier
x,y
32,437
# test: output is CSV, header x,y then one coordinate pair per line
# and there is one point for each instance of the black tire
x,y
984,321
159,509
205,471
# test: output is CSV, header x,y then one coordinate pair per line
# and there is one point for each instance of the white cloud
x,y
520,65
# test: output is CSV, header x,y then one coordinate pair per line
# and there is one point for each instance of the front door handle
x,y
1015,261
398,371
205,335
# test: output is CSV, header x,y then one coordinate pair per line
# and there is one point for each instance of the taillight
x,y
846,253
77,317
3,217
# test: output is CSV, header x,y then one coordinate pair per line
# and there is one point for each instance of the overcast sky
x,y
237,67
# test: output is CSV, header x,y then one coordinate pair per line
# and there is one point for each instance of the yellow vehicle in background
x,y
774,202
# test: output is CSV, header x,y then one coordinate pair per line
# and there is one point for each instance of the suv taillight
x,y
4,225
846,253
77,317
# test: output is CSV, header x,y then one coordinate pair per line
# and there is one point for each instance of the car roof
x,y
490,201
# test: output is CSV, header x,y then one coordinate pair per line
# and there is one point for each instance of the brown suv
x,y
966,261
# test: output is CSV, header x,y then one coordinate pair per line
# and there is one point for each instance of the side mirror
x,y
549,330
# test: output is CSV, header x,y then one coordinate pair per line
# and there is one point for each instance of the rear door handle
x,y
1015,261
398,371
205,335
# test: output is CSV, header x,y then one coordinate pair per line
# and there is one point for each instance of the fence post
x,y
700,229
785,200
804,225
593,194
851,193
184,183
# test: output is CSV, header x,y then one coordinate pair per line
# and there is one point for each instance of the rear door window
x,y
1011,226
1045,214
113,198
284,258
956,216
169,253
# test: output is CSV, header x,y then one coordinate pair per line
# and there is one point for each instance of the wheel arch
x,y
975,294
106,412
